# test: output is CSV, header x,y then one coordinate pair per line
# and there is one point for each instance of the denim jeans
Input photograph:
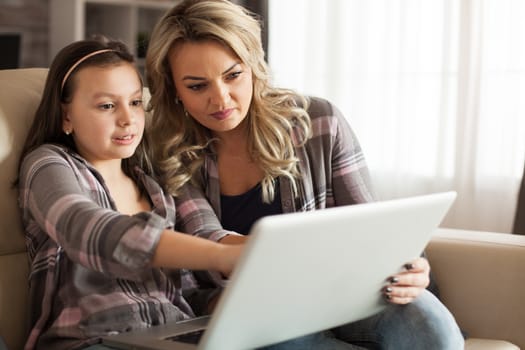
x,y
424,324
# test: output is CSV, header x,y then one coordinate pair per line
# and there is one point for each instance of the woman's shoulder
x,y
319,107
325,116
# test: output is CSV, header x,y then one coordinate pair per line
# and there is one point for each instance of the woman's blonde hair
x,y
179,142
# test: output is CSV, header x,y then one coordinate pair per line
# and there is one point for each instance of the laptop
x,y
305,272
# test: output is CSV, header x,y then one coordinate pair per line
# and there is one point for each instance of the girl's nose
x,y
126,117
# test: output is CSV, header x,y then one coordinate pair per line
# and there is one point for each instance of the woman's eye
x,y
234,75
196,87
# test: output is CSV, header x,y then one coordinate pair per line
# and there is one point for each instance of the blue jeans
x,y
424,324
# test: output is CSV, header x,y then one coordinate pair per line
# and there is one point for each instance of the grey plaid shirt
x,y
90,265
332,167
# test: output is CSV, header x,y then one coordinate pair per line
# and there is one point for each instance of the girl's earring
x,y
67,132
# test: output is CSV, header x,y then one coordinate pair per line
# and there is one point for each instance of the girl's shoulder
x,y
50,149
50,153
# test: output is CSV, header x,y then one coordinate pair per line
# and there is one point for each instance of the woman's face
x,y
213,84
105,115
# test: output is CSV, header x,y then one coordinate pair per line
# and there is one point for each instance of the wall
x,y
30,19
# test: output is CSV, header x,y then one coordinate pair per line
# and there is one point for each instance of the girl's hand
x,y
228,257
405,287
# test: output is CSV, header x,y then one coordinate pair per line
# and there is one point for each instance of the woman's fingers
x,y
404,287
419,264
401,295
410,279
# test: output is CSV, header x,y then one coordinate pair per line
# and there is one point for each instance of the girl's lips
x,y
221,115
124,140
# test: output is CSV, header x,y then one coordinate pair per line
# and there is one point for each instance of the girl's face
x,y
105,116
213,84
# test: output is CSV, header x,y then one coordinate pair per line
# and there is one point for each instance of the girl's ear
x,y
67,125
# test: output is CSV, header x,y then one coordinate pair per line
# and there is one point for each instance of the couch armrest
x,y
481,278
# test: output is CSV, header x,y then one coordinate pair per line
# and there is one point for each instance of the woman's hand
x,y
406,286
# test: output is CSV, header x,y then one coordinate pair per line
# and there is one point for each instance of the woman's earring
x,y
67,132
179,102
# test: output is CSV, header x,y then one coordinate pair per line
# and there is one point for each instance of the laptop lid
x,y
309,271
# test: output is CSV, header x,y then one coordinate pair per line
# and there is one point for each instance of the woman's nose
x,y
220,95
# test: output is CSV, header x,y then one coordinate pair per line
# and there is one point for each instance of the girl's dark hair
x,y
47,123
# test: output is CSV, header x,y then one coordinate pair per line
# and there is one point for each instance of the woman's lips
x,y
221,115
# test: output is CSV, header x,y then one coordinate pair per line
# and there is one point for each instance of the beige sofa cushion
x,y
481,276
489,344
20,92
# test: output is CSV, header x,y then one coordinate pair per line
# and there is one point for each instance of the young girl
x,y
98,228
260,150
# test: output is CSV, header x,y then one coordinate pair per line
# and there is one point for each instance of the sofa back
x,y
20,92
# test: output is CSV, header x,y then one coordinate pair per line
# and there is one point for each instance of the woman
x,y
98,229
258,150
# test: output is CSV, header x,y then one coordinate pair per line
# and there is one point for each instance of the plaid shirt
x,y
332,167
90,265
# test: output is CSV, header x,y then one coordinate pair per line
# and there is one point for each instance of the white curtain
x,y
434,89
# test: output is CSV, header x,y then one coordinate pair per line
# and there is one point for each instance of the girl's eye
x,y
136,103
107,106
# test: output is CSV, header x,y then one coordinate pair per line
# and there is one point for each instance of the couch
x,y
481,275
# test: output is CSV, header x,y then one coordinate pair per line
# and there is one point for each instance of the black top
x,y
238,213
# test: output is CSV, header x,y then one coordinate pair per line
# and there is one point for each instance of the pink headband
x,y
79,62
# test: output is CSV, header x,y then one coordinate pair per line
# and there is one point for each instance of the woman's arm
x,y
350,175
351,184
196,216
